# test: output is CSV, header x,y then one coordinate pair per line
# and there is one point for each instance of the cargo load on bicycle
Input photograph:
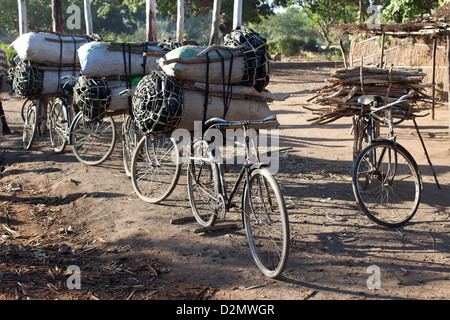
x,y
197,83
340,97
98,88
161,103
44,59
243,60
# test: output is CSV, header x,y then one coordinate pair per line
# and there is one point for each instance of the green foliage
x,y
401,11
324,13
9,51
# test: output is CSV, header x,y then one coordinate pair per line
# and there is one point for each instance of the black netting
x,y
157,103
28,80
92,96
256,54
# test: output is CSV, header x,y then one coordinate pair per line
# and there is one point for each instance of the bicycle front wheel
x,y
387,184
155,168
93,141
59,125
30,125
266,222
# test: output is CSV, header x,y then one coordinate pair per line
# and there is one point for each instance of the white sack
x,y
38,48
183,64
52,81
238,109
118,102
96,61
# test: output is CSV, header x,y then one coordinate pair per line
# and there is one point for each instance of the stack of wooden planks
x,y
340,98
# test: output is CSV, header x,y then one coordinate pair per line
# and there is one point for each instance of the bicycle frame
x,y
391,136
246,167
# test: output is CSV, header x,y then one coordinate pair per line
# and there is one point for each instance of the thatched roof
x,y
433,25
400,30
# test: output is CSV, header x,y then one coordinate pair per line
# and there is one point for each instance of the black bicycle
x,y
262,204
386,179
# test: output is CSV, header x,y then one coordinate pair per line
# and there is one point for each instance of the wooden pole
x,y
214,38
57,21
448,76
151,20
22,8
433,78
383,39
344,56
180,21
237,14
88,17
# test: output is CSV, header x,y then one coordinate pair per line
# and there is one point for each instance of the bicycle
x,y
386,180
152,161
262,205
92,141
35,121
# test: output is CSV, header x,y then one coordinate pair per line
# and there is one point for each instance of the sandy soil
x,y
56,212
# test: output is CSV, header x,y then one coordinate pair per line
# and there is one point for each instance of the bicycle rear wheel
x,y
266,222
155,168
387,184
93,141
30,126
59,125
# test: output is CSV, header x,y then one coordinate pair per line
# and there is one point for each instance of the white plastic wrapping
x,y
45,48
97,60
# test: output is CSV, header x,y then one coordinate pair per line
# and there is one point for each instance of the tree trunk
x,y
57,20
151,20
180,21
88,17
214,39
22,6
237,14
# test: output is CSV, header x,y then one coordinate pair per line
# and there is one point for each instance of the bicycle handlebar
x,y
401,99
219,121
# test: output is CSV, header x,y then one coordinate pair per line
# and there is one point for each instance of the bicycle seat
x,y
368,100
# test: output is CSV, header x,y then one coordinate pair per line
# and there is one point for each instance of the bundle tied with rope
x,y
157,103
92,97
219,81
44,59
100,84
256,56
340,97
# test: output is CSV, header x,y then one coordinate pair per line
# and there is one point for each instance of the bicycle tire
x,y
203,186
153,158
267,230
388,194
93,141
30,126
59,125
130,140
23,110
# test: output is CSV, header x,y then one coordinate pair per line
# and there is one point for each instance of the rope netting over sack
x,y
28,80
157,103
92,96
256,56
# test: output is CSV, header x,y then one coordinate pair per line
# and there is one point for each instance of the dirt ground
x,y
56,213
